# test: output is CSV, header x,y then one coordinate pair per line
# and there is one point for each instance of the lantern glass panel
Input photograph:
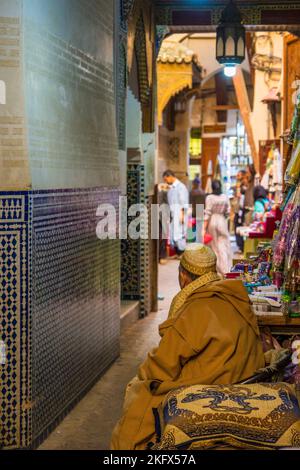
x,y
230,47
241,48
220,47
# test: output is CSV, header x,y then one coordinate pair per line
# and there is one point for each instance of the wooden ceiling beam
x,y
245,110
221,96
224,107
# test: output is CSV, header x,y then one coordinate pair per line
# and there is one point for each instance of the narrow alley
x,y
134,134
90,424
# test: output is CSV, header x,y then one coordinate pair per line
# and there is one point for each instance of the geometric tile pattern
x,y
122,88
76,301
145,269
59,314
151,300
9,284
125,10
141,55
182,13
130,249
12,209
135,277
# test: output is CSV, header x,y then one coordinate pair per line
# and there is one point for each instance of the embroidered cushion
x,y
257,416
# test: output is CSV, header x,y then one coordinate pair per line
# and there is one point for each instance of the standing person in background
x,y
217,210
261,202
249,200
197,199
197,196
178,199
163,229
239,216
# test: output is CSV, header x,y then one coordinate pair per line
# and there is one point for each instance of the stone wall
x,y
14,167
68,63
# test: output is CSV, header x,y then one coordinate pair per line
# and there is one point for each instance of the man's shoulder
x,y
193,317
182,187
193,305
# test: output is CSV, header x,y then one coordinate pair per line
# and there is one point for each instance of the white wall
x,y
204,46
260,117
134,122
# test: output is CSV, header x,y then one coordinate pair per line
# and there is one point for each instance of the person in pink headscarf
x,y
217,210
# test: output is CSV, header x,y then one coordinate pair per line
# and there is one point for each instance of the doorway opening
x,y
211,126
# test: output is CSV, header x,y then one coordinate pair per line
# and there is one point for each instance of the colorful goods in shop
x,y
256,271
272,179
287,243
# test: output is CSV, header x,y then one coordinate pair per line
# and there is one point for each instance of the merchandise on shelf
x,y
262,228
272,179
256,273
287,242
293,169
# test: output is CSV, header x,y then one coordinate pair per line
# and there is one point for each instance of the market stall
x,y
281,248
271,273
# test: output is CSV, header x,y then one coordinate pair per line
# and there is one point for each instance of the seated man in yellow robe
x,y
210,337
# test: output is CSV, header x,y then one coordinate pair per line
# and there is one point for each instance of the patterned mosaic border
x,y
135,254
130,249
145,269
14,319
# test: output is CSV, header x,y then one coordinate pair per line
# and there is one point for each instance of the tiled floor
x,y
90,424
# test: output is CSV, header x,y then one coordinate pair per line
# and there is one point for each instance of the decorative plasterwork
x,y
171,79
175,52
250,15
140,8
141,43
127,6
125,12
121,94
141,53
163,16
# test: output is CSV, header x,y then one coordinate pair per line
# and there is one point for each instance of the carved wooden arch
x,y
131,31
141,9
141,55
141,45
121,95
168,87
